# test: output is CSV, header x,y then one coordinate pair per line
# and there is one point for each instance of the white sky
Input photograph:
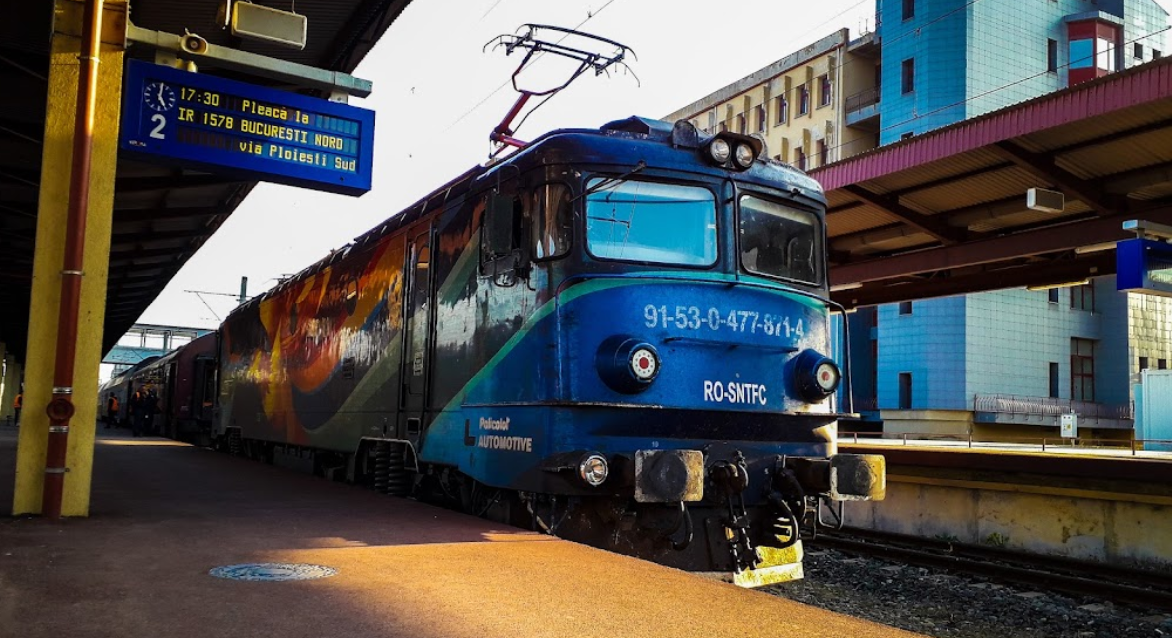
x,y
429,75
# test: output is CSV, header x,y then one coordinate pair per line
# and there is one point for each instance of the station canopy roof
x,y
162,215
945,212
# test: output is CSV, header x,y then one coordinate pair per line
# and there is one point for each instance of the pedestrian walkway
x,y
166,513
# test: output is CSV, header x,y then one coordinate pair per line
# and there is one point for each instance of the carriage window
x,y
651,222
779,241
551,220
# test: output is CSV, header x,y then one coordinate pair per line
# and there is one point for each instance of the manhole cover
x,y
273,571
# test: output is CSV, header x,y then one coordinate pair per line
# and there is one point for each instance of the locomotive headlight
x,y
720,150
744,155
644,363
814,376
826,375
627,364
593,469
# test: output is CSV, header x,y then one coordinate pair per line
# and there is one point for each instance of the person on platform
x,y
16,405
138,412
150,407
111,411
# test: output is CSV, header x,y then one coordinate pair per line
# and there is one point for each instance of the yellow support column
x,y
50,248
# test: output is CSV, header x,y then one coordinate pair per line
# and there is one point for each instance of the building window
x,y
1053,380
1082,369
1082,54
1053,295
711,120
1052,56
1161,364
782,110
723,127
824,90
1083,297
1156,55
906,136
905,390
800,158
905,307
1105,50
909,9
741,124
803,100
823,153
761,118
907,74
1143,363
1138,51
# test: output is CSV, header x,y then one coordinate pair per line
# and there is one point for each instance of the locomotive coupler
x,y
732,477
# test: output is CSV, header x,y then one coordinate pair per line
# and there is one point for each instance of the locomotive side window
x,y
779,241
551,220
631,220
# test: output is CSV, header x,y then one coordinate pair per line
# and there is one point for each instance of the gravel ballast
x,y
938,603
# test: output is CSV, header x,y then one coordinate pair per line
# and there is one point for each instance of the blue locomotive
x,y
618,335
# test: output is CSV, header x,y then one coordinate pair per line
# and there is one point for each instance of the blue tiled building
x,y
1004,363
948,60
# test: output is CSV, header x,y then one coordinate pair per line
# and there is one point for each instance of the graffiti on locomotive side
x,y
696,318
501,441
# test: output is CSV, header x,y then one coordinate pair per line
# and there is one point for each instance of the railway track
x,y
1118,584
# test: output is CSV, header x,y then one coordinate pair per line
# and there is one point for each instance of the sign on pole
x,y
222,125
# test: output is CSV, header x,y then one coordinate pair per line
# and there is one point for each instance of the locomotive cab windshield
x,y
651,222
779,241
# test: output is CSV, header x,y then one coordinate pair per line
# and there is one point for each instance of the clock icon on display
x,y
159,96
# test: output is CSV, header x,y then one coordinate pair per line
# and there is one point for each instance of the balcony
x,y
862,108
1046,411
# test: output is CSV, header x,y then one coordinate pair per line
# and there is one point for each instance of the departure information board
x,y
1144,266
259,133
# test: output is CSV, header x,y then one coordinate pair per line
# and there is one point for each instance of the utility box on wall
x,y
1154,409
1069,424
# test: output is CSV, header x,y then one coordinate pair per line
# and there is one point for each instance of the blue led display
x,y
1144,266
259,133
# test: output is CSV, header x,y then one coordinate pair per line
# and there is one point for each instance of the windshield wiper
x,y
611,180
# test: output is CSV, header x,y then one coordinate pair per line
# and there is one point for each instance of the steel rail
x,y
1123,585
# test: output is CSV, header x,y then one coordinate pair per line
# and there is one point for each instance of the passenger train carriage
x,y
616,335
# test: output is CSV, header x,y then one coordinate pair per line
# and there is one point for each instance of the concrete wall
x,y
928,343
941,423
1145,23
1014,335
1116,531
1149,329
936,38
1008,51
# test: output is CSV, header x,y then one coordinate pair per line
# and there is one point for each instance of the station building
x,y
1007,363
797,104
998,364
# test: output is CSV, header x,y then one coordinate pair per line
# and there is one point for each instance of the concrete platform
x,y
165,513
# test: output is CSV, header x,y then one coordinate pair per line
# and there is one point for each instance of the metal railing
x,y
1043,443
1049,406
862,99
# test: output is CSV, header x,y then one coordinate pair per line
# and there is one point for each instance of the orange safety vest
x,y
113,404
18,401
